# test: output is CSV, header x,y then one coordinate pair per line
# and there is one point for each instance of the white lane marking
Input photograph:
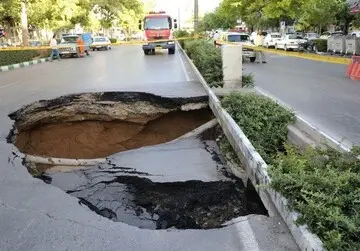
x,y
187,77
246,236
16,83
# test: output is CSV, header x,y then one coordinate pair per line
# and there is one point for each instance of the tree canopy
x,y
306,14
65,14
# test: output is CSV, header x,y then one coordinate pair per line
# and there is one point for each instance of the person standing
x,y
216,37
54,49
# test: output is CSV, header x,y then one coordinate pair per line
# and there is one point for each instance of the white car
x,y
271,39
100,43
243,39
290,42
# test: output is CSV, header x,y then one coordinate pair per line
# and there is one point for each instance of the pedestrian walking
x,y
54,49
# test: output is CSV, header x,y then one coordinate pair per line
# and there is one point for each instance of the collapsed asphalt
x,y
39,216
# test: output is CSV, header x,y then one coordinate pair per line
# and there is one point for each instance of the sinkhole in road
x,y
88,126
93,125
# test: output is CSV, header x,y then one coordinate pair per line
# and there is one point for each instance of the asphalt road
x,y
318,91
38,216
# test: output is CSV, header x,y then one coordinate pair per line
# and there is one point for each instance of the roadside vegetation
x,y
322,184
20,56
207,59
309,15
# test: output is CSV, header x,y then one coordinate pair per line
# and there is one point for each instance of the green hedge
x,y
263,121
207,59
15,57
181,34
323,185
113,40
321,45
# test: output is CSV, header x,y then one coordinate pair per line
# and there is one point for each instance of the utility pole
x,y
179,21
196,14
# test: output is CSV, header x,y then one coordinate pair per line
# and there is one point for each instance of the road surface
x,y
38,216
318,91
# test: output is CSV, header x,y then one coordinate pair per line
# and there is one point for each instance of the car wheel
x,y
93,49
171,51
106,48
109,47
252,59
146,52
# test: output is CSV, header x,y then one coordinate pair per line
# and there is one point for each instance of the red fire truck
x,y
158,27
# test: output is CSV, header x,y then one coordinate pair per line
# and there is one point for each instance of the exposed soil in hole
x,y
95,139
97,125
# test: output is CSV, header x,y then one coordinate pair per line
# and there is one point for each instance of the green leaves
x,y
207,59
324,186
263,121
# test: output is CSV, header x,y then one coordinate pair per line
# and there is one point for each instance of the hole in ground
x,y
96,125
87,126
183,205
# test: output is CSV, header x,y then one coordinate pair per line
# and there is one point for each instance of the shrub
x,y
181,34
321,45
262,120
207,59
324,186
19,56
113,40
248,80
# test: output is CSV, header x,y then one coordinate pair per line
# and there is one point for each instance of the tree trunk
x,y
24,24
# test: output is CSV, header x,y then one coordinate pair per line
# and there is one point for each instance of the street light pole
x,y
196,14
178,21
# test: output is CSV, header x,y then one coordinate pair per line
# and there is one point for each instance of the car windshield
x,y
71,39
157,23
100,39
238,38
275,35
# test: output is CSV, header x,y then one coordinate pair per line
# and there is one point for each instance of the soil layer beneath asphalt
x,y
96,139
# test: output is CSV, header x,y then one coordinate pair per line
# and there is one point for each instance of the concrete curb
x,y
257,170
22,65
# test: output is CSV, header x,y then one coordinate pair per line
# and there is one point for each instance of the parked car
x,y
290,42
34,43
311,36
271,39
355,33
69,47
243,39
101,43
5,45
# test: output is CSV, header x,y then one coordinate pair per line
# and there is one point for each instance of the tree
x,y
319,13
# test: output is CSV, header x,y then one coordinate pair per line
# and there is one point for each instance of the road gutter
x,y
257,170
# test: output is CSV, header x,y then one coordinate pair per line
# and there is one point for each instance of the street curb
x,y
257,170
22,65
